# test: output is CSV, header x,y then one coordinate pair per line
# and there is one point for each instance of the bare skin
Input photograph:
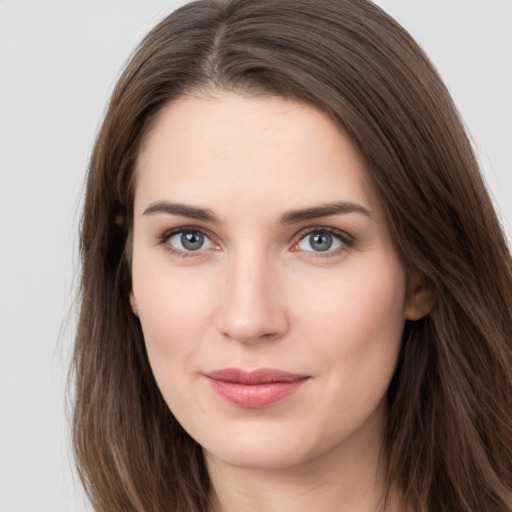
x,y
260,243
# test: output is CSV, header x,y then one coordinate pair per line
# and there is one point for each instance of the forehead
x,y
270,152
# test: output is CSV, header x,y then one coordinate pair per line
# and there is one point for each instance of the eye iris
x,y
192,241
320,241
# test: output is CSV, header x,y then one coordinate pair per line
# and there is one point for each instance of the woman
x,y
295,290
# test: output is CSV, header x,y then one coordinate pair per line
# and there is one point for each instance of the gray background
x,y
58,63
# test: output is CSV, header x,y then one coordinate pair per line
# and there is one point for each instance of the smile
x,y
256,389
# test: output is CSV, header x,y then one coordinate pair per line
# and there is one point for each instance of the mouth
x,y
254,389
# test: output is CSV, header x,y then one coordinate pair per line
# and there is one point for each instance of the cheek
x,y
354,329
176,311
357,323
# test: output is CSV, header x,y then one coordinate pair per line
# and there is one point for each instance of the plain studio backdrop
x,y
58,63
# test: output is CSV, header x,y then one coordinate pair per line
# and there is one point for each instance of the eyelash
x,y
167,235
346,240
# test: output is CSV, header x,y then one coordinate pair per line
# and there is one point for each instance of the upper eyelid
x,y
164,238
335,231
343,235
174,231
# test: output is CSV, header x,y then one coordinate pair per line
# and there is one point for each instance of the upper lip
x,y
260,376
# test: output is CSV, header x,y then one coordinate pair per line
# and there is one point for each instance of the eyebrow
x,y
181,209
324,210
291,217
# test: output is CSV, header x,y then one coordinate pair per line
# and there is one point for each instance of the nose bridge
x,y
251,301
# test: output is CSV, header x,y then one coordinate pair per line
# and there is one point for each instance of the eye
x,y
186,240
323,241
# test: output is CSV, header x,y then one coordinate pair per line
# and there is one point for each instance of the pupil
x,y
192,241
320,241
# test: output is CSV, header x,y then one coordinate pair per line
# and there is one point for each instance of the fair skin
x,y
244,277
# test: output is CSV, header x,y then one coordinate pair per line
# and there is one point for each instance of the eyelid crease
x,y
346,239
169,233
184,229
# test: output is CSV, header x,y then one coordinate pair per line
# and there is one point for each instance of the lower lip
x,y
255,396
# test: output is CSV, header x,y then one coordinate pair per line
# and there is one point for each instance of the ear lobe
x,y
133,304
419,303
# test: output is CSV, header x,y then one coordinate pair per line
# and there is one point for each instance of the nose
x,y
251,307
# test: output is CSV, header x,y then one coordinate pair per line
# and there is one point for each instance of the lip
x,y
254,389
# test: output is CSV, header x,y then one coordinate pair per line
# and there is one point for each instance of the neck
x,y
348,478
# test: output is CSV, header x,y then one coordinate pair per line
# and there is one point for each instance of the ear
x,y
420,302
133,304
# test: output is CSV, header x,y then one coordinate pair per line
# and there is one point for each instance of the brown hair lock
x,y
449,431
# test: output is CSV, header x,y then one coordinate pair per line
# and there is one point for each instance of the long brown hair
x,y
449,430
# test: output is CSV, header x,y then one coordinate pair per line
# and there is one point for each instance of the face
x,y
270,296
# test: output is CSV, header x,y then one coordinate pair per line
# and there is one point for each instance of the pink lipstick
x,y
254,389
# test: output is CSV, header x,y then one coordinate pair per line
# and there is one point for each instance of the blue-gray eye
x,y
190,240
319,241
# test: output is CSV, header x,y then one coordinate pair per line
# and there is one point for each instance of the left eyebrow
x,y
324,210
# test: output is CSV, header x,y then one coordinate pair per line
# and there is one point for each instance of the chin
x,y
292,443
257,457
270,448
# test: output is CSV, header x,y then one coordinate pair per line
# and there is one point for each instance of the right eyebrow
x,y
182,210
